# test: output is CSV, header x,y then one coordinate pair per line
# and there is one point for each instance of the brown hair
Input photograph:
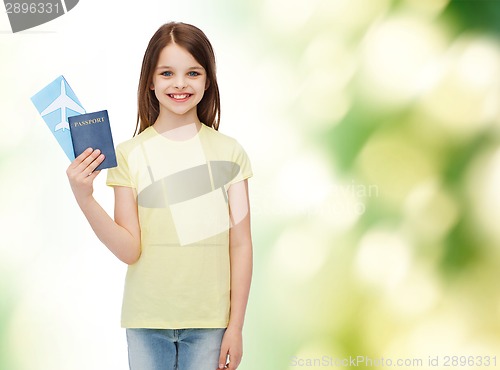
x,y
196,43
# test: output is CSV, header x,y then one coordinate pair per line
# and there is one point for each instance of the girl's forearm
x,y
116,238
122,237
241,276
240,252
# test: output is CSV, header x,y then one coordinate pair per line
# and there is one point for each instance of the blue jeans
x,y
174,349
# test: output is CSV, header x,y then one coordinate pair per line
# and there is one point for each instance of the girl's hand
x,y
81,173
232,345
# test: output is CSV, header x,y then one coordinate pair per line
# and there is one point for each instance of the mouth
x,y
179,97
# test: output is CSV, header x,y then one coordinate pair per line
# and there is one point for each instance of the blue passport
x,y
55,103
92,130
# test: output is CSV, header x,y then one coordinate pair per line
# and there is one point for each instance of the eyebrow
x,y
189,69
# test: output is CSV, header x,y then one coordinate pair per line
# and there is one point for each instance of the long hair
x,y
197,44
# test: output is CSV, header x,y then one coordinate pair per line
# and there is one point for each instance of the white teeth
x,y
183,96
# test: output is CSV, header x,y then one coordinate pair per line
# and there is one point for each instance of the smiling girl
x,y
182,214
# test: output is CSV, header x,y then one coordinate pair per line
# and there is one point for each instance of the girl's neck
x,y
177,127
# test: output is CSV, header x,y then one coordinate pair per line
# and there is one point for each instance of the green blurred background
x,y
373,127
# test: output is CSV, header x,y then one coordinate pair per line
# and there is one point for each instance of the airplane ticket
x,y
55,103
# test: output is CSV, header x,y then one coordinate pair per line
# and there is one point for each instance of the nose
x,y
180,83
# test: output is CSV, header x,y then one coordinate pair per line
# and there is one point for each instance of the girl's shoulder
x,y
224,144
218,136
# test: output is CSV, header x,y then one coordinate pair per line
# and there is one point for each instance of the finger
x,y
231,365
93,175
88,164
78,160
234,361
93,165
81,165
223,357
72,169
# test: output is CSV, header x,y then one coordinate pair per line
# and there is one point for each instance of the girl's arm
x,y
122,235
240,249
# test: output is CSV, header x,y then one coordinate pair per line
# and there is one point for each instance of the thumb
x,y
223,357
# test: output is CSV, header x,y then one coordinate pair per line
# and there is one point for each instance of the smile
x,y
179,97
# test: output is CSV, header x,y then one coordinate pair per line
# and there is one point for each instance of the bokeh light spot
x,y
463,99
383,258
430,211
395,164
300,252
303,183
417,294
483,184
396,53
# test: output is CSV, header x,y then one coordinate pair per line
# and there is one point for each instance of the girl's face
x,y
179,82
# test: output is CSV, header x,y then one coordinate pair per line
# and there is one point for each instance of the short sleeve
x,y
240,158
120,175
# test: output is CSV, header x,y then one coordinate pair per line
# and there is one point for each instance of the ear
x,y
207,84
152,86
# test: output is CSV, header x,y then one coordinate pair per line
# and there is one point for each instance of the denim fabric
x,y
174,349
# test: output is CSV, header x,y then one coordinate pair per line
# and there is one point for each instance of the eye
x,y
193,74
166,73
